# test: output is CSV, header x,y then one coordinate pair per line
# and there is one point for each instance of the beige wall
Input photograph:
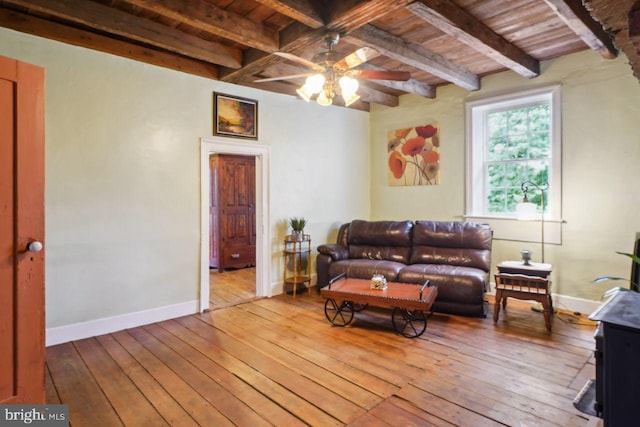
x,y
601,166
123,178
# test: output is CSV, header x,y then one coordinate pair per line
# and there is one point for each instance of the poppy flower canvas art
x,y
414,156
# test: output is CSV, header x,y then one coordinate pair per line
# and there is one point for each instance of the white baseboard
x,y
106,325
573,304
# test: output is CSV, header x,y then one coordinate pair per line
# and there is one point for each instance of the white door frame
x,y
213,145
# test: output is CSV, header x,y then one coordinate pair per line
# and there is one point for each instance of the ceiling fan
x,y
334,73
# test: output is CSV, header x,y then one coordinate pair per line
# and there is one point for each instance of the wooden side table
x,y
526,282
294,251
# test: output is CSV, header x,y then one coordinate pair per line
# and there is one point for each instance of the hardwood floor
x,y
231,287
278,361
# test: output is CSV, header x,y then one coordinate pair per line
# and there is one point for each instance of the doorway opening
x,y
232,230
209,146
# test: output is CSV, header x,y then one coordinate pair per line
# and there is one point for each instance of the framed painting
x,y
413,156
234,116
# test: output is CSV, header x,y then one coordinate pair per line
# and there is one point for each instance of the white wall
x,y
601,166
123,178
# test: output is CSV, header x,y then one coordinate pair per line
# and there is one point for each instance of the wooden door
x,y
21,222
232,211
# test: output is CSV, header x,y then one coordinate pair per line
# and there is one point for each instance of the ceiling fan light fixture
x,y
315,83
351,99
349,87
312,85
324,99
304,93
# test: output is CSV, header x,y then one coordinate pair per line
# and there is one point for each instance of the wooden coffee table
x,y
409,302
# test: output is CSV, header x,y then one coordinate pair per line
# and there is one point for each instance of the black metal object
x,y
338,277
598,382
338,314
410,324
617,382
426,284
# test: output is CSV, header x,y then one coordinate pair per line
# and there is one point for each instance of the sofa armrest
x,y
335,251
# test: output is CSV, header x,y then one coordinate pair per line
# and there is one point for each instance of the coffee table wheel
x,y
410,324
338,315
358,306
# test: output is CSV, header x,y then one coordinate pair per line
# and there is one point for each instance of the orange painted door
x,y
22,331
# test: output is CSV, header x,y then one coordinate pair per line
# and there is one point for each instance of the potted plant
x,y
633,286
297,225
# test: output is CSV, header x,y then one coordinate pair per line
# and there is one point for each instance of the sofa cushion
x,y
333,250
365,268
380,240
464,244
465,285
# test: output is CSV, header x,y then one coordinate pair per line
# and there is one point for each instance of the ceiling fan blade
x,y
291,76
402,76
358,57
294,58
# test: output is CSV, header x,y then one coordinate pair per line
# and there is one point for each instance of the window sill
x,y
521,231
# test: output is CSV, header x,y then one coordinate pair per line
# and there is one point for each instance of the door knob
x,y
34,246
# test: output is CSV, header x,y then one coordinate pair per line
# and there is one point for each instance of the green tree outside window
x,y
518,150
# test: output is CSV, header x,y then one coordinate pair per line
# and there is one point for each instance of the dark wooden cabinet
x,y
232,215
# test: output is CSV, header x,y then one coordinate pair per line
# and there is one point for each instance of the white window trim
x,y
506,226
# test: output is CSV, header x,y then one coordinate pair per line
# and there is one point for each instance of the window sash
x,y
476,179
477,161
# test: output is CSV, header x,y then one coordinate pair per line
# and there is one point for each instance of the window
x,y
510,140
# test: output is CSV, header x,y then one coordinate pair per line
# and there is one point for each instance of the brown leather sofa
x,y
454,256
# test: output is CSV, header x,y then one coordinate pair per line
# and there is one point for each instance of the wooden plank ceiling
x,y
439,42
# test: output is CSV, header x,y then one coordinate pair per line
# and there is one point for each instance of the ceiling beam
x,y
212,19
370,95
574,14
456,22
634,22
634,38
300,10
347,15
293,39
414,55
103,18
62,33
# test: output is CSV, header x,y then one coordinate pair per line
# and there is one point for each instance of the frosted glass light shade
x,y
305,93
315,83
348,85
350,100
527,211
311,86
323,99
